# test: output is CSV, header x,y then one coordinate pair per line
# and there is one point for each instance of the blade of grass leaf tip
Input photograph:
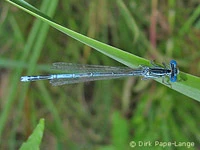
x,y
35,138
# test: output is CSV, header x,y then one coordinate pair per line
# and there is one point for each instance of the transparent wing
x,y
98,72
80,68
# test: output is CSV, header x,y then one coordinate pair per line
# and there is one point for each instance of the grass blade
x,y
190,86
35,138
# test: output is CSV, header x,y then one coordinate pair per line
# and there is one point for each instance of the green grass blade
x,y
186,27
119,137
35,139
130,22
115,53
190,86
30,45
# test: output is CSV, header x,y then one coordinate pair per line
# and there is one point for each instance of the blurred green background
x,y
103,115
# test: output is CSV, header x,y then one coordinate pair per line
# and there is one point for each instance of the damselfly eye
x,y
173,62
173,78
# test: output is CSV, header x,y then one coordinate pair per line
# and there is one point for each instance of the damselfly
x,y
76,73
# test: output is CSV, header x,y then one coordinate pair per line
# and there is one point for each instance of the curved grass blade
x,y
189,86
35,138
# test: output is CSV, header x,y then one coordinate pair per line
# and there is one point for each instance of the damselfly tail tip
x,y
24,78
